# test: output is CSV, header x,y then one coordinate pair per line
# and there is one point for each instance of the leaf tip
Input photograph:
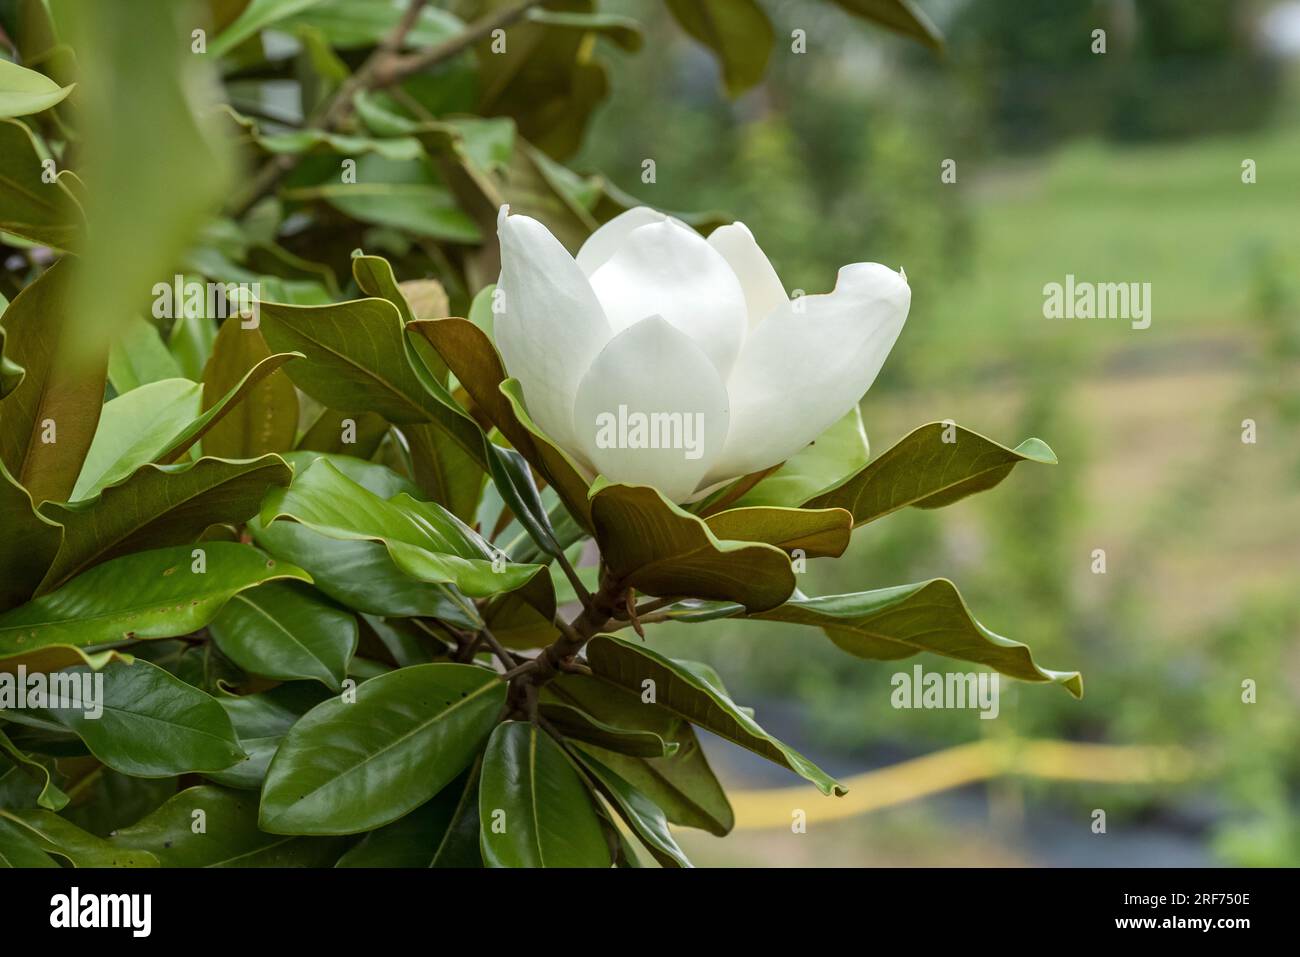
x,y
1036,450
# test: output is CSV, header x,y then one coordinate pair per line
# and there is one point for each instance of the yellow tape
x,y
964,764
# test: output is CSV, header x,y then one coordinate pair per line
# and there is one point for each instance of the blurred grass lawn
x,y
1147,426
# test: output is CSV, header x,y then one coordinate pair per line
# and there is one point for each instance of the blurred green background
x,y
1117,167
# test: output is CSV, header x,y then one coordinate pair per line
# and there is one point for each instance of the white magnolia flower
x,y
660,358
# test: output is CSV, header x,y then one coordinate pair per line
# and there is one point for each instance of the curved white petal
x,y
667,269
552,326
807,364
604,242
652,386
763,289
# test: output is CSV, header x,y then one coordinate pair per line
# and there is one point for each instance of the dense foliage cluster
x,y
344,602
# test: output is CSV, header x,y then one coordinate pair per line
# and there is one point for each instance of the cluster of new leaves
x,y
347,605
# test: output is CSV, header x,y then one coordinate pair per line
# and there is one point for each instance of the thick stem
x,y
595,615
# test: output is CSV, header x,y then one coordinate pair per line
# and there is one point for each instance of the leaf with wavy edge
x,y
652,545
153,594
267,418
840,451
49,796
54,835
641,814
28,545
681,783
45,213
573,722
424,540
53,392
892,623
214,413
359,574
158,506
691,693
818,533
924,471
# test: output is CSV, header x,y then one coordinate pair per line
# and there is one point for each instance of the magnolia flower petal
x,y
604,242
667,269
807,364
762,287
552,326
652,386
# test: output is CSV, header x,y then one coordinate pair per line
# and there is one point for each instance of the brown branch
x,y
557,657
384,67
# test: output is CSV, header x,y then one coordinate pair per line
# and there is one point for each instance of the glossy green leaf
x,y
836,454
575,723
901,16
134,429
474,361
153,724
42,212
229,838
737,31
261,721
892,623
641,814
138,356
358,574
54,835
332,432
266,420
49,795
158,506
108,800
28,545
153,594
359,360
445,472
356,357
514,482
348,767
816,533
214,412
416,839
682,784
534,809
652,545
190,343
685,690
51,417
374,275
284,630
925,471
24,92
459,846
21,848
423,539
254,18
347,24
